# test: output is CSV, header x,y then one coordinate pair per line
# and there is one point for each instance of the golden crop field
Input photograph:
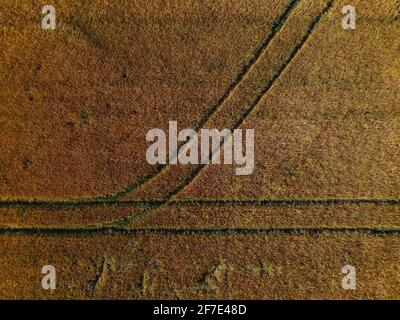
x,y
76,189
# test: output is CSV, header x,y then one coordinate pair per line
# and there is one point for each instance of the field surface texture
x,y
77,193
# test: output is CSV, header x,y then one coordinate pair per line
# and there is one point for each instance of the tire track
x,y
196,231
197,202
244,115
276,27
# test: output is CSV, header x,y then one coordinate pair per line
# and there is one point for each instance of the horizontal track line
x,y
60,204
200,231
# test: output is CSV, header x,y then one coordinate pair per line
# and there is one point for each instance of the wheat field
x,y
76,191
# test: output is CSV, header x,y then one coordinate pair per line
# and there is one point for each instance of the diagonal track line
x,y
264,92
240,76
245,114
